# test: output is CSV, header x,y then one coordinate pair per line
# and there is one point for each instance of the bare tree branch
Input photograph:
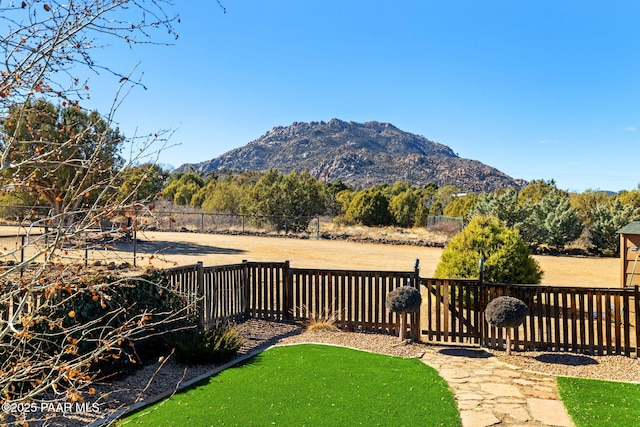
x,y
59,324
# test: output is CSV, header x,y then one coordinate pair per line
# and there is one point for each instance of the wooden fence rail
x,y
592,321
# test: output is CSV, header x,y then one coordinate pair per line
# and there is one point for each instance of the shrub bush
x,y
403,300
506,258
445,228
371,208
197,346
506,312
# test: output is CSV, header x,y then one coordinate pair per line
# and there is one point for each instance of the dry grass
x,y
436,234
321,325
323,321
168,249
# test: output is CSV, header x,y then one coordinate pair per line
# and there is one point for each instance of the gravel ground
x,y
612,368
167,375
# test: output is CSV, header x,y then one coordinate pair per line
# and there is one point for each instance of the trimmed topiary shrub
x,y
403,300
506,312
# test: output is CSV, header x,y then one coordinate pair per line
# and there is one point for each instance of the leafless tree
x,y
48,53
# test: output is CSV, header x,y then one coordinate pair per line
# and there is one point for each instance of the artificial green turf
x,y
594,403
312,385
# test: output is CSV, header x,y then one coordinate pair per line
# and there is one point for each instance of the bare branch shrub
x,y
61,327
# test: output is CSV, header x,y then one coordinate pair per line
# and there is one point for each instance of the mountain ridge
x,y
359,154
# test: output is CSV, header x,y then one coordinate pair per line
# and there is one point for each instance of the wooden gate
x,y
450,310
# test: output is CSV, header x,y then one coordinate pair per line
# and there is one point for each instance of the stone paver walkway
x,y
491,393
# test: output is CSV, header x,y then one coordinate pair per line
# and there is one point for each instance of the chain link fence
x,y
449,222
227,223
30,237
116,240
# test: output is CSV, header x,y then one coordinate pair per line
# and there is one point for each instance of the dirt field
x,y
162,249
188,248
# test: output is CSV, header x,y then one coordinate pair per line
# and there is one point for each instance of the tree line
x,y
543,214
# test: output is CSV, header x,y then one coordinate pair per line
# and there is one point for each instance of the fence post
x,y
246,286
288,291
21,255
200,302
415,320
135,247
481,304
636,300
478,303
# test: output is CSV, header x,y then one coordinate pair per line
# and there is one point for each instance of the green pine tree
x,y
370,207
287,201
503,205
506,258
552,222
607,219
403,207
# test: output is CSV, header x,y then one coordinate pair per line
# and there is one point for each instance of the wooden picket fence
x,y
591,321
354,300
580,320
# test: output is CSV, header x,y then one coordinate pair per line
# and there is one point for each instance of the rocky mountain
x,y
360,154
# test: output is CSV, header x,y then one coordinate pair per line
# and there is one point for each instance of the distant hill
x,y
360,154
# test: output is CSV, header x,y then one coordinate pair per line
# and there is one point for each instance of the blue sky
x,y
537,89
